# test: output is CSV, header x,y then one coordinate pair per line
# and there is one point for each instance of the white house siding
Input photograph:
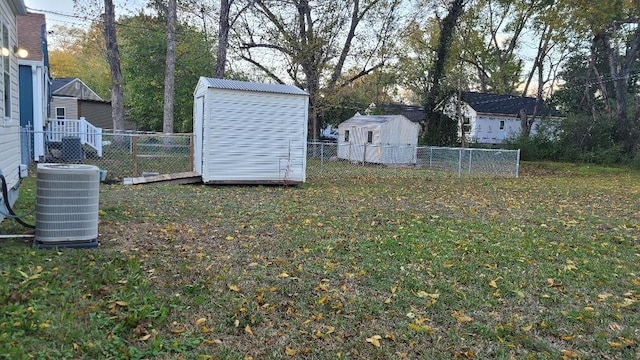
x,y
10,127
253,136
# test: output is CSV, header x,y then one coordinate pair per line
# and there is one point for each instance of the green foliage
x,y
578,138
143,49
81,54
440,131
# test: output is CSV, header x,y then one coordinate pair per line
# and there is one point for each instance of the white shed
x,y
380,139
249,133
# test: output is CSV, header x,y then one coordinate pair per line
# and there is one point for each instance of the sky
x,y
57,12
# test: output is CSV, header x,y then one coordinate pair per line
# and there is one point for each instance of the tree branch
x,y
263,68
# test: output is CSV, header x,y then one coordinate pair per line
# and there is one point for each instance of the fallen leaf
x,y
201,321
604,296
461,316
615,345
570,354
234,287
145,338
289,351
493,284
527,328
248,330
375,340
421,328
283,275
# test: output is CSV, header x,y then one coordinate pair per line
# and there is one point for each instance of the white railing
x,y
80,128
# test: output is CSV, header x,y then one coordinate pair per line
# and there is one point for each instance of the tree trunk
x,y
447,30
169,75
113,58
223,37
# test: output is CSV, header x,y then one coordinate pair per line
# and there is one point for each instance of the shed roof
x,y
252,86
371,119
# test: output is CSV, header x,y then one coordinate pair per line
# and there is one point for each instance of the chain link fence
x,y
333,160
119,154
133,154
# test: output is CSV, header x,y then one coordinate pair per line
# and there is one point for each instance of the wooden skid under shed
x,y
189,177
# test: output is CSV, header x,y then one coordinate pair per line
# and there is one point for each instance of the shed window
x,y
501,124
346,136
61,113
369,137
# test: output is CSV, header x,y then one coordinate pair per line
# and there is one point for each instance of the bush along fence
x,y
132,154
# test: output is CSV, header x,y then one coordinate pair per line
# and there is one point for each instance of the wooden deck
x,y
190,177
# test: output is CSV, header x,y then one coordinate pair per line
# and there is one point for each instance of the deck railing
x,y
89,135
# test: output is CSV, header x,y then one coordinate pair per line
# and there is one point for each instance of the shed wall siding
x,y
250,136
393,141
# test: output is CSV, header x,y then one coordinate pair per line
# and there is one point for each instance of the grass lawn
x,y
543,266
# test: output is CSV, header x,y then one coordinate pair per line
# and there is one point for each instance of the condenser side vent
x,y
67,205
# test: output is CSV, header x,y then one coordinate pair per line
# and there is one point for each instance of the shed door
x,y
198,134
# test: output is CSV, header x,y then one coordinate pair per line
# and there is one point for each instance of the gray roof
x,y
255,87
58,83
506,104
371,119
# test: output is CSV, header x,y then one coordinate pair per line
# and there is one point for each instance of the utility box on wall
x,y
249,133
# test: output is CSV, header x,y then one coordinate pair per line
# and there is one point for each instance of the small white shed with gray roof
x,y
378,139
249,133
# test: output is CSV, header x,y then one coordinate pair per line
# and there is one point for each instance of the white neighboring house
x,y
10,164
492,118
379,139
249,133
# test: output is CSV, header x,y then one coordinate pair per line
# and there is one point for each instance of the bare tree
x,y
225,23
113,58
169,74
313,42
223,37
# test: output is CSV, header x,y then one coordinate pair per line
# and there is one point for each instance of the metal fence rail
x,y
124,154
132,154
335,161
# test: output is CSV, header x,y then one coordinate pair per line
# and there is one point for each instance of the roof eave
x,y
18,7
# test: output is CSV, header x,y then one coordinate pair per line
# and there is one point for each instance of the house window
x,y
501,124
61,113
6,71
369,137
346,136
